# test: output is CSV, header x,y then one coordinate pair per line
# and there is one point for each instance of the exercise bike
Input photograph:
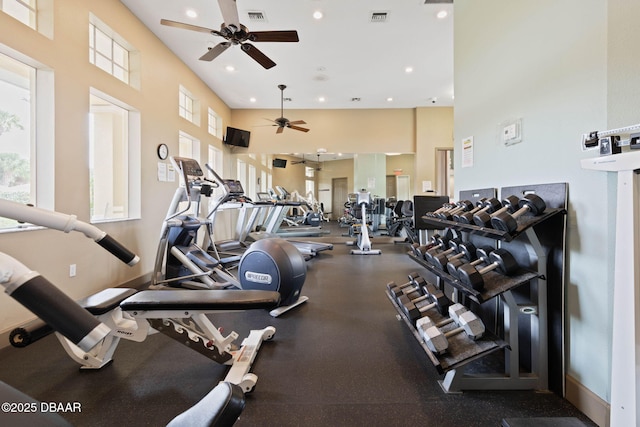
x,y
89,331
270,264
361,230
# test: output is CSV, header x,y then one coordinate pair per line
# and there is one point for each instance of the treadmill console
x,y
234,187
189,166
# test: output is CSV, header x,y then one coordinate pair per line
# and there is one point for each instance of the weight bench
x,y
91,335
182,316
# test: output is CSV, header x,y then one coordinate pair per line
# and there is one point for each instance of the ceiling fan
x,y
283,122
237,34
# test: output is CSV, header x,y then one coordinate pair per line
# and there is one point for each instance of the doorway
x,y
444,172
339,195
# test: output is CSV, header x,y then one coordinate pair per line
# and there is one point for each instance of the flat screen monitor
x,y
237,137
279,163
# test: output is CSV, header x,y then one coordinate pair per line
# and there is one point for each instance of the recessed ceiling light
x,y
442,14
317,14
389,99
230,68
321,99
191,13
252,99
408,70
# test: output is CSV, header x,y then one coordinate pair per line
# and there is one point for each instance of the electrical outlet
x,y
72,270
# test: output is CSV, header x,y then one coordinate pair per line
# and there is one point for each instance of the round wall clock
x,y
163,151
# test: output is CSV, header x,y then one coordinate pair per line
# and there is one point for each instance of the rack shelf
x,y
495,284
461,351
524,222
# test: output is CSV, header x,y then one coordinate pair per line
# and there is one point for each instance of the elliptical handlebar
x,y
66,223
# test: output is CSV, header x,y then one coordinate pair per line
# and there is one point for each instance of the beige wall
x,y
434,130
339,131
161,73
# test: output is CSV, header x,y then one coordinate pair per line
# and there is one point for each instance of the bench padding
x,y
105,300
201,300
221,407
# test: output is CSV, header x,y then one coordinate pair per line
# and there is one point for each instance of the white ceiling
x,y
342,56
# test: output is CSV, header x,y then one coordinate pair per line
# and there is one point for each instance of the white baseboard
x,y
587,402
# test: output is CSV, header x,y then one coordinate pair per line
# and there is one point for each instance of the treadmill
x,y
253,211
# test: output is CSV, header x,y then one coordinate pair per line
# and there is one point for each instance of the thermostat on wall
x,y
510,132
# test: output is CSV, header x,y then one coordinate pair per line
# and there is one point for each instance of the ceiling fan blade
x,y
274,36
229,11
280,129
186,26
257,55
215,51
298,128
298,122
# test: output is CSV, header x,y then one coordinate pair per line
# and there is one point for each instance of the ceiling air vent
x,y
379,16
257,16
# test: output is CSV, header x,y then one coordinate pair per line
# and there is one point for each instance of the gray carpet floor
x,y
341,359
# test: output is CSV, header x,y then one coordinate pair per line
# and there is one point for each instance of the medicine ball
x,y
273,265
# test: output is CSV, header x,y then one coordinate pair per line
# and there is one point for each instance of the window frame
x,y
42,131
133,156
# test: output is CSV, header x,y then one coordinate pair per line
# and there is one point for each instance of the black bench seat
x,y
201,300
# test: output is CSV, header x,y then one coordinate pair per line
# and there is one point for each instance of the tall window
x,y
113,156
215,161
250,188
263,181
214,123
26,142
108,51
241,174
309,183
188,146
188,106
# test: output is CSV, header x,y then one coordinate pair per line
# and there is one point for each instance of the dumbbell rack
x,y
461,350
538,245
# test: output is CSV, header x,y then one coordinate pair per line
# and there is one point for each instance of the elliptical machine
x,y
271,264
363,201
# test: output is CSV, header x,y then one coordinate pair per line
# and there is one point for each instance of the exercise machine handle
x,y
50,304
66,223
117,250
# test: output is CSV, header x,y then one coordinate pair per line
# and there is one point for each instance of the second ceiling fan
x,y
282,122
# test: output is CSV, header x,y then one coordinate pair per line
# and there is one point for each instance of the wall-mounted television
x,y
279,163
237,137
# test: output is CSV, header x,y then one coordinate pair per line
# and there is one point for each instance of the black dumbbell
x,y
463,206
483,219
500,259
463,249
433,298
395,290
444,207
528,204
479,205
446,245
482,256
488,206
416,290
